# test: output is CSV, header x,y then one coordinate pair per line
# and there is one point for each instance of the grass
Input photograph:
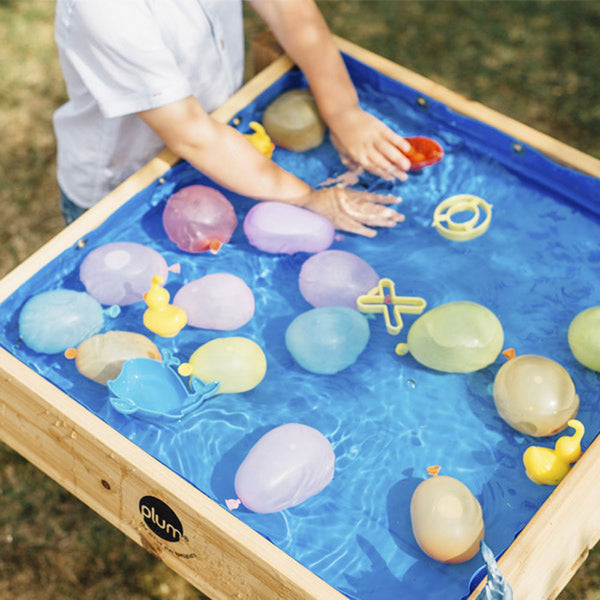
x,y
535,61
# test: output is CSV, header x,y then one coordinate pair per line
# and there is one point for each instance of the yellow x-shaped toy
x,y
381,298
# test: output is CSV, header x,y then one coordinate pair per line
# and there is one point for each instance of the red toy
x,y
423,152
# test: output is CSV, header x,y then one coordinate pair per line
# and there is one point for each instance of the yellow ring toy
x,y
465,230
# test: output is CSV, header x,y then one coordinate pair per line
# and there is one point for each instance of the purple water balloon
x,y
217,301
199,218
336,278
121,272
288,465
284,228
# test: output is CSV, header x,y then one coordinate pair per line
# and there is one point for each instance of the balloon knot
x,y
214,246
509,353
232,504
185,369
434,470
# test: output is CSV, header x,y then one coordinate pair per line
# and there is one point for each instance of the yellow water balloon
x,y
584,338
457,337
237,363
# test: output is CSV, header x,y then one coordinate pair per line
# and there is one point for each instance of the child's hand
x,y
350,210
363,140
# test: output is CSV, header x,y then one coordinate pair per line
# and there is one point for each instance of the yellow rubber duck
x,y
545,466
260,139
160,317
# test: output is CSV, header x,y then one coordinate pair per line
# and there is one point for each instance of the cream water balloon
x,y
101,356
535,395
446,518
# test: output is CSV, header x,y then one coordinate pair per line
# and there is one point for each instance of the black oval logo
x,y
161,519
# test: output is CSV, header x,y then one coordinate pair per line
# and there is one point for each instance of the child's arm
x,y
229,159
359,137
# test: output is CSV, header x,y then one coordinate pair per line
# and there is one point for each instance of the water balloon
x,y
217,301
287,465
199,218
447,519
327,339
535,395
237,363
101,356
584,338
457,337
121,272
336,278
53,321
277,227
293,122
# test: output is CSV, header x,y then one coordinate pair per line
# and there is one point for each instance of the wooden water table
x,y
200,539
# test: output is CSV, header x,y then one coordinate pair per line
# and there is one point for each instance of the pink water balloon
x,y
217,301
121,272
336,278
288,465
284,228
199,218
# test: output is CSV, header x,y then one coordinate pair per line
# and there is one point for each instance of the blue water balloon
x,y
53,321
327,339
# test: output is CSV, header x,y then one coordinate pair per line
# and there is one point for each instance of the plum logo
x,y
161,519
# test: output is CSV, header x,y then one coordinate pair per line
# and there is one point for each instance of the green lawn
x,y
534,61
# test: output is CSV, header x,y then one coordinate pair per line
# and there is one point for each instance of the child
x,y
141,74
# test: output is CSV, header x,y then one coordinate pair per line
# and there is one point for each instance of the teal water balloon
x,y
327,339
457,337
53,321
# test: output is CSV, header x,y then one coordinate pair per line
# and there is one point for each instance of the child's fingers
x,y
393,155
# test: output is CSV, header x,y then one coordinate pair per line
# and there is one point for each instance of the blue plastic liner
x,y
387,416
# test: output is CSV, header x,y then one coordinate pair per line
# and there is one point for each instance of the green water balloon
x,y
584,338
457,337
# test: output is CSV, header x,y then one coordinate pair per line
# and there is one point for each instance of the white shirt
x,y
120,57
